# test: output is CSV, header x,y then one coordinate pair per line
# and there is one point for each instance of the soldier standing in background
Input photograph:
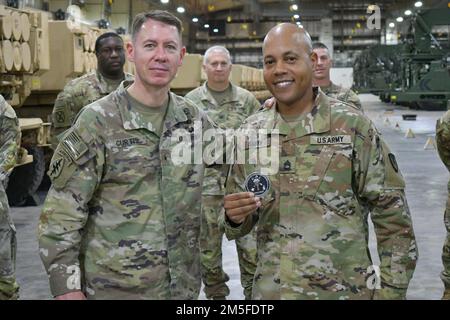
x,y
443,146
80,92
9,143
227,105
311,219
322,77
122,219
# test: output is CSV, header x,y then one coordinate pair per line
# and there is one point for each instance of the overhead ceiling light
x,y
399,19
164,1
181,10
408,12
206,26
195,19
418,4
296,16
391,24
215,30
294,7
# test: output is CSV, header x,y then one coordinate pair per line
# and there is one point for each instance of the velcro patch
x,y
74,146
340,139
56,167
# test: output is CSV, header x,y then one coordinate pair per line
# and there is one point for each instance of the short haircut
x,y
104,36
157,15
319,45
216,49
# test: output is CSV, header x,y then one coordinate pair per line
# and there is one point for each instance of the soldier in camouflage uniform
x,y
122,219
322,77
312,228
82,91
443,146
227,105
9,143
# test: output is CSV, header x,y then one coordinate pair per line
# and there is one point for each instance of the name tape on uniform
x,y
341,139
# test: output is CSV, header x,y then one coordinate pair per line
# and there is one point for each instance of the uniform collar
x,y
207,96
132,120
103,83
316,121
331,88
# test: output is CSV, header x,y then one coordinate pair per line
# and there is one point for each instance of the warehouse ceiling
x,y
276,9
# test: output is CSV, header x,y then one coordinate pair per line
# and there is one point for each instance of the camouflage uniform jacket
x,y
228,114
312,229
9,138
342,94
76,94
119,209
443,146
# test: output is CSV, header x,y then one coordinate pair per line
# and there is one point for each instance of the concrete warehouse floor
x,y
426,190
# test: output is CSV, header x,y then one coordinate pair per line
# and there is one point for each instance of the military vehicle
x,y
415,73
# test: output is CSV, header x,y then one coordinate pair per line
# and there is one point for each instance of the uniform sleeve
x,y
9,141
443,138
381,189
75,171
353,98
443,146
234,184
62,115
253,104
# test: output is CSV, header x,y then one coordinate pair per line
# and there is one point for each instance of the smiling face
x,y
157,53
288,64
324,63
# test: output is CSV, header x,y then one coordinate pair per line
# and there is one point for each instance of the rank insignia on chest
x,y
257,183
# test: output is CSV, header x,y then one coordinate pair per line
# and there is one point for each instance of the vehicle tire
x,y
24,181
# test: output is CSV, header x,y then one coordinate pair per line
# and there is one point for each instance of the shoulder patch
x,y
56,167
74,146
393,162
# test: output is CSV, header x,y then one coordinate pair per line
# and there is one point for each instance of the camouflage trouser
x,y
213,276
9,289
445,276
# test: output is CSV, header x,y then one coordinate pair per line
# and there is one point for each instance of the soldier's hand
x,y
76,295
239,205
269,103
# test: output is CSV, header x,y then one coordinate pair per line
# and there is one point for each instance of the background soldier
x,y
322,77
312,223
9,143
227,105
82,91
122,220
443,146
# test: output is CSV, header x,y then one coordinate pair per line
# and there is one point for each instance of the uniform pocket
x,y
335,189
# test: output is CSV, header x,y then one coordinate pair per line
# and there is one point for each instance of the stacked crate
x,y
23,51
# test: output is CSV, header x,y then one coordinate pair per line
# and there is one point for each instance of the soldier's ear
x,y
314,59
130,51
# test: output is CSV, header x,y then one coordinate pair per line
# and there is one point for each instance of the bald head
x,y
289,30
289,62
